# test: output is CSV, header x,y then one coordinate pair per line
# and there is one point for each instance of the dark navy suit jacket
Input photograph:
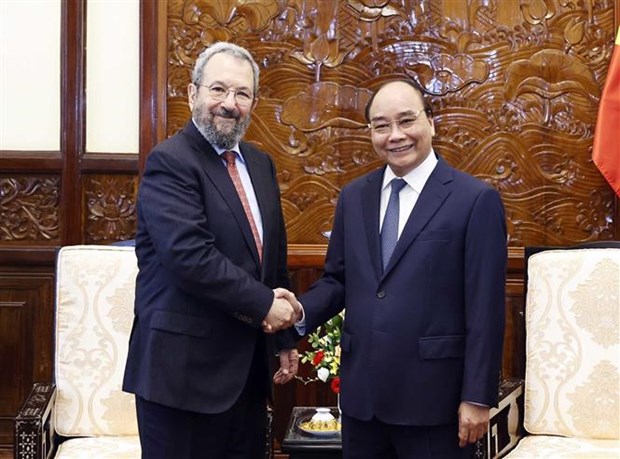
x,y
201,292
427,333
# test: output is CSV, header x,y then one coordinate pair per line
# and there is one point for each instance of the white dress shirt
x,y
247,185
416,179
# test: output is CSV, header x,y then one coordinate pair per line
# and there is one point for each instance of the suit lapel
x,y
430,200
216,170
371,199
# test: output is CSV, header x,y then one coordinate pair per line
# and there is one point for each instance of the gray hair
x,y
226,48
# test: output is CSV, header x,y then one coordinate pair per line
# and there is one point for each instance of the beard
x,y
226,137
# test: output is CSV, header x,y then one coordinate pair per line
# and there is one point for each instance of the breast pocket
x,y
435,235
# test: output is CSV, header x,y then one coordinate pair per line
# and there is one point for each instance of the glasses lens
x,y
220,93
243,98
381,128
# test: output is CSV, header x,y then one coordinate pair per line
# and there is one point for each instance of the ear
x,y
192,91
254,103
432,123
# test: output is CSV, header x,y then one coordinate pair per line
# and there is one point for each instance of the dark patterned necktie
x,y
231,166
389,230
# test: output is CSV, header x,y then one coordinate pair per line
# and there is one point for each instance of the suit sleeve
x,y
485,278
283,279
285,339
174,214
326,297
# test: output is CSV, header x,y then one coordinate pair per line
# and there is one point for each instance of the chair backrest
x,y
95,289
572,376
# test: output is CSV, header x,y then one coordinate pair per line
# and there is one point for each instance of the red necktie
x,y
229,157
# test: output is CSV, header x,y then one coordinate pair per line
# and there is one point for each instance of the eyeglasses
x,y
243,98
404,123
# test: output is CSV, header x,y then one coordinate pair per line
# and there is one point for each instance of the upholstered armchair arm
x,y
34,430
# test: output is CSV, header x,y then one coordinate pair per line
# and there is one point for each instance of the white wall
x,y
30,75
112,76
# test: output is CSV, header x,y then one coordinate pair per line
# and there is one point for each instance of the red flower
x,y
335,385
318,357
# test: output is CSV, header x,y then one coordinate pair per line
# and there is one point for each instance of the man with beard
x,y
211,248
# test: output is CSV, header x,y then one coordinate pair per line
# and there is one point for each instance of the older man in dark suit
x,y
417,256
211,248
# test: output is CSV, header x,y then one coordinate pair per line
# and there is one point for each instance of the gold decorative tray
x,y
320,428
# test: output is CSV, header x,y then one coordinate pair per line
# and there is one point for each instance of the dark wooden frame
x,y
153,75
34,429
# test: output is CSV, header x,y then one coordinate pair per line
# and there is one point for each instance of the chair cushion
x,y
94,313
573,344
544,446
100,448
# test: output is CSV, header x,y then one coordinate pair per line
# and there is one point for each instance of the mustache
x,y
225,113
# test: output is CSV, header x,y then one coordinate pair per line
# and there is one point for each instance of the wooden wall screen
x,y
515,86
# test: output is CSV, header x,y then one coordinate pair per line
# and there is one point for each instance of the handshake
x,y
285,311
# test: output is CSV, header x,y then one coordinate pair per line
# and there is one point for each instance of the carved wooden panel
x,y
29,209
109,208
26,345
515,87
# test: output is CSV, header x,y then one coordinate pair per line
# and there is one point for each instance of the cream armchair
x,y
572,379
94,312
85,414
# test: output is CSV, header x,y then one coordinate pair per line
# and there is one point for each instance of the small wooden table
x,y
301,445
503,434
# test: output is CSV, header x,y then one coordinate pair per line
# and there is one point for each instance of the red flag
x,y
606,149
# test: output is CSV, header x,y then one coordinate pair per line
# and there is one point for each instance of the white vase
x,y
323,415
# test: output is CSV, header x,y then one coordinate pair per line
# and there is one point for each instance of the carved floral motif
x,y
514,87
29,208
110,208
552,74
326,105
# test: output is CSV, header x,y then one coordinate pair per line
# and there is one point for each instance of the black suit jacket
x,y
201,293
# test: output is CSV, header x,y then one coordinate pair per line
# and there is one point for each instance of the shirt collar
x,y
416,178
221,151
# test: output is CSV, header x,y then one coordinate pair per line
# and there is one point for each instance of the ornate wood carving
x,y
110,211
515,87
34,430
29,209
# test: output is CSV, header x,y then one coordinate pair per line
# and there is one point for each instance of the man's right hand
x,y
285,311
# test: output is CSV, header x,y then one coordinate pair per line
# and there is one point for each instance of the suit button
x,y
381,294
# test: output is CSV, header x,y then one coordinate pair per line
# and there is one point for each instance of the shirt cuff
x,y
300,325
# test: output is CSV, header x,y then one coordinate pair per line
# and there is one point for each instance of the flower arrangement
x,y
325,353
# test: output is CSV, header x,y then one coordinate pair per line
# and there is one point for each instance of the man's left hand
x,y
473,422
289,363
